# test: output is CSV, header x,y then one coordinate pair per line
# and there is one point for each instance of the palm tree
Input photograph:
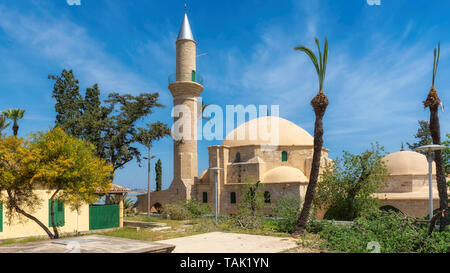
x,y
3,124
433,102
15,115
319,104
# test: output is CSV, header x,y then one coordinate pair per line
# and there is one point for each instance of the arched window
x,y
284,156
233,198
237,157
266,197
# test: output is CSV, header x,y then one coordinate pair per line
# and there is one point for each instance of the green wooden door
x,y
104,216
58,210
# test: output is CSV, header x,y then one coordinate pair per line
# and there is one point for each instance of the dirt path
x,y
221,242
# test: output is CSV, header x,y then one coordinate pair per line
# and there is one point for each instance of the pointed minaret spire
x,y
185,29
402,149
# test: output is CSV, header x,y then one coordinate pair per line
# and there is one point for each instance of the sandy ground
x,y
88,244
220,242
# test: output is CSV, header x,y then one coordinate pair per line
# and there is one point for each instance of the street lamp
x,y
216,170
429,149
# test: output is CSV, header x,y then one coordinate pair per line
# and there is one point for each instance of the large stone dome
x,y
268,130
284,174
407,163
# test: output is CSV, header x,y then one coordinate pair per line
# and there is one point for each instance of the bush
x,y
250,215
394,232
287,210
177,211
347,186
198,209
183,210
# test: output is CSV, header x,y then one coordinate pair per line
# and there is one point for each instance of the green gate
x,y
104,216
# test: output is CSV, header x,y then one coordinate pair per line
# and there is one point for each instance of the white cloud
x,y
59,40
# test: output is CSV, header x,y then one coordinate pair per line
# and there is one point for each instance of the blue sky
x,y
379,69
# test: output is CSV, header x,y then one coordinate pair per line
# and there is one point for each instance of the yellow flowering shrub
x,y
65,165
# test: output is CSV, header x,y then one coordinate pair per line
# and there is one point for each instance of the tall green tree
x,y
110,125
423,136
158,172
69,102
14,115
146,136
347,186
433,102
3,124
319,104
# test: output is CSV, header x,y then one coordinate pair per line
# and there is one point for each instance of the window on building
x,y
284,156
58,210
233,198
266,197
193,75
205,197
237,157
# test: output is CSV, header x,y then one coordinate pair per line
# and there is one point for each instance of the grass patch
x,y
21,241
196,226
152,219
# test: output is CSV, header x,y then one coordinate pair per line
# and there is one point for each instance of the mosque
x,y
281,162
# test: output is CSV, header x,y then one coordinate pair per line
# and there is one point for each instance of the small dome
x,y
407,163
284,174
260,132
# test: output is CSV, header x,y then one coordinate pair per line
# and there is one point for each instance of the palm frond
x,y
325,60
320,67
311,56
320,54
14,114
436,61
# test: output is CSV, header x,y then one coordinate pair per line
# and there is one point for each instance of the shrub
x,y
250,215
177,211
287,210
183,210
198,209
394,232
347,186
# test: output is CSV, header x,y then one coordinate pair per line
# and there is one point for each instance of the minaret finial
x,y
402,149
185,29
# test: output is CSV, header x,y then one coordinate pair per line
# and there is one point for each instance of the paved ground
x,y
88,244
220,242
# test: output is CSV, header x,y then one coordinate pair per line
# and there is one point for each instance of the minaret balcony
x,y
188,77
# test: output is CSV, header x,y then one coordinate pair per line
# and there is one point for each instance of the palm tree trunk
x,y
15,128
319,103
433,101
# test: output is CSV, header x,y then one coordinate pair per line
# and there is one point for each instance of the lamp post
x,y
216,170
429,149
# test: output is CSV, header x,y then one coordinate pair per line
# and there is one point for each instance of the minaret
x,y
185,89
